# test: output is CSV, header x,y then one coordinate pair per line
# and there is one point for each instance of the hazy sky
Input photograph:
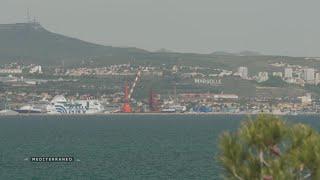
x,y
268,26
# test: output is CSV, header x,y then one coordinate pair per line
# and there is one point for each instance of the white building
x,y
11,71
277,74
306,100
263,76
308,75
175,68
317,80
36,69
288,72
225,73
243,72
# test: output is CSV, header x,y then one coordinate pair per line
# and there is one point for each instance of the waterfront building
x,y
263,76
308,75
317,78
36,69
306,100
195,97
277,74
11,71
288,72
175,68
243,72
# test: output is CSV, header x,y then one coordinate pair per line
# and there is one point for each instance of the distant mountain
x,y
222,53
242,53
249,53
164,50
31,43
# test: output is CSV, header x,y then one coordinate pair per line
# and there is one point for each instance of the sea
x,y
117,146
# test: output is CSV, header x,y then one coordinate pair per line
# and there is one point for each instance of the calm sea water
x,y
116,147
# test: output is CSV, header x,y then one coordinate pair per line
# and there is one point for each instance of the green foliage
x,y
263,133
269,147
274,82
29,44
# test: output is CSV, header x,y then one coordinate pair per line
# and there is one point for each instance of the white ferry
x,y
60,105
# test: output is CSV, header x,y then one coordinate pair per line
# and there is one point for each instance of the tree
x,y
269,148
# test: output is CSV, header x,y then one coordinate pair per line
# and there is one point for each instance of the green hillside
x,y
32,43
274,82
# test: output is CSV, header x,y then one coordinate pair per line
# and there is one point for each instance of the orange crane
x,y
126,108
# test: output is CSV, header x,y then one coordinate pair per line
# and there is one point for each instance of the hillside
x,y
32,43
274,82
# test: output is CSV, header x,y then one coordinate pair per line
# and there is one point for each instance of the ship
x,y
111,109
202,109
29,109
168,110
60,105
174,108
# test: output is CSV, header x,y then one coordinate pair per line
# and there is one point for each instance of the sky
x,y
277,27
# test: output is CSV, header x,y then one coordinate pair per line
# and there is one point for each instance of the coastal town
x,y
109,89
124,88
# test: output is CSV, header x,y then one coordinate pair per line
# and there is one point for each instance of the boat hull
x,y
28,111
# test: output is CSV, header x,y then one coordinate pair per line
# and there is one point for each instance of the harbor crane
x,y
126,108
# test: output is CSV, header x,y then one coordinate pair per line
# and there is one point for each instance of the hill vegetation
x,y
274,82
270,148
32,43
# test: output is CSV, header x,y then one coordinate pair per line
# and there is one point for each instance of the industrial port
x,y
126,97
